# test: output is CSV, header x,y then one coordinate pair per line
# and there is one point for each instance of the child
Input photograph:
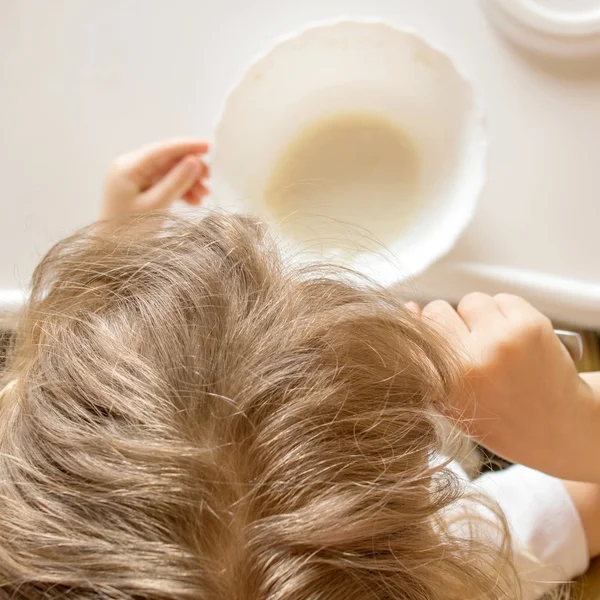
x,y
185,416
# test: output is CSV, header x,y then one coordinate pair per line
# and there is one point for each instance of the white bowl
x,y
364,67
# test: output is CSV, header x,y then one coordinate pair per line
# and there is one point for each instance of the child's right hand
x,y
154,176
528,404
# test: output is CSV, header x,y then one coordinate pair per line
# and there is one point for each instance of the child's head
x,y
190,418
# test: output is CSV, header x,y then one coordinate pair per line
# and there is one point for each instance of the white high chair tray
x,y
83,81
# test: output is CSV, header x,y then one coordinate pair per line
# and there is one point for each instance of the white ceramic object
x,y
569,28
366,67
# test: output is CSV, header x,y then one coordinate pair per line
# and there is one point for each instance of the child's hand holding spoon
x,y
525,400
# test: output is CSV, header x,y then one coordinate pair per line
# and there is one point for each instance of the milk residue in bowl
x,y
355,169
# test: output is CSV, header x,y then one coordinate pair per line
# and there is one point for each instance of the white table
x,y
83,80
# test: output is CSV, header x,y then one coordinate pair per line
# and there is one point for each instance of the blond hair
x,y
192,418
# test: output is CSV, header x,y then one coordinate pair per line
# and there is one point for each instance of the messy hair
x,y
191,418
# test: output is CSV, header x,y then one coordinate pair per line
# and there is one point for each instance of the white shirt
x,y
549,542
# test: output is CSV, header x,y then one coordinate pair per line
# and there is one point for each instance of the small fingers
x,y
175,184
479,311
528,324
445,318
518,309
196,194
508,303
142,164
199,190
205,170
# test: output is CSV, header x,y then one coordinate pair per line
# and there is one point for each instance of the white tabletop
x,y
82,81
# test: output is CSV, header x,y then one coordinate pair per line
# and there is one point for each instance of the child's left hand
x,y
154,176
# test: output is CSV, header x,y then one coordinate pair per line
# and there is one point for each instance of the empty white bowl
x,y
383,73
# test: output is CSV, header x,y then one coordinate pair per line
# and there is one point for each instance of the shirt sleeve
x,y
549,542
